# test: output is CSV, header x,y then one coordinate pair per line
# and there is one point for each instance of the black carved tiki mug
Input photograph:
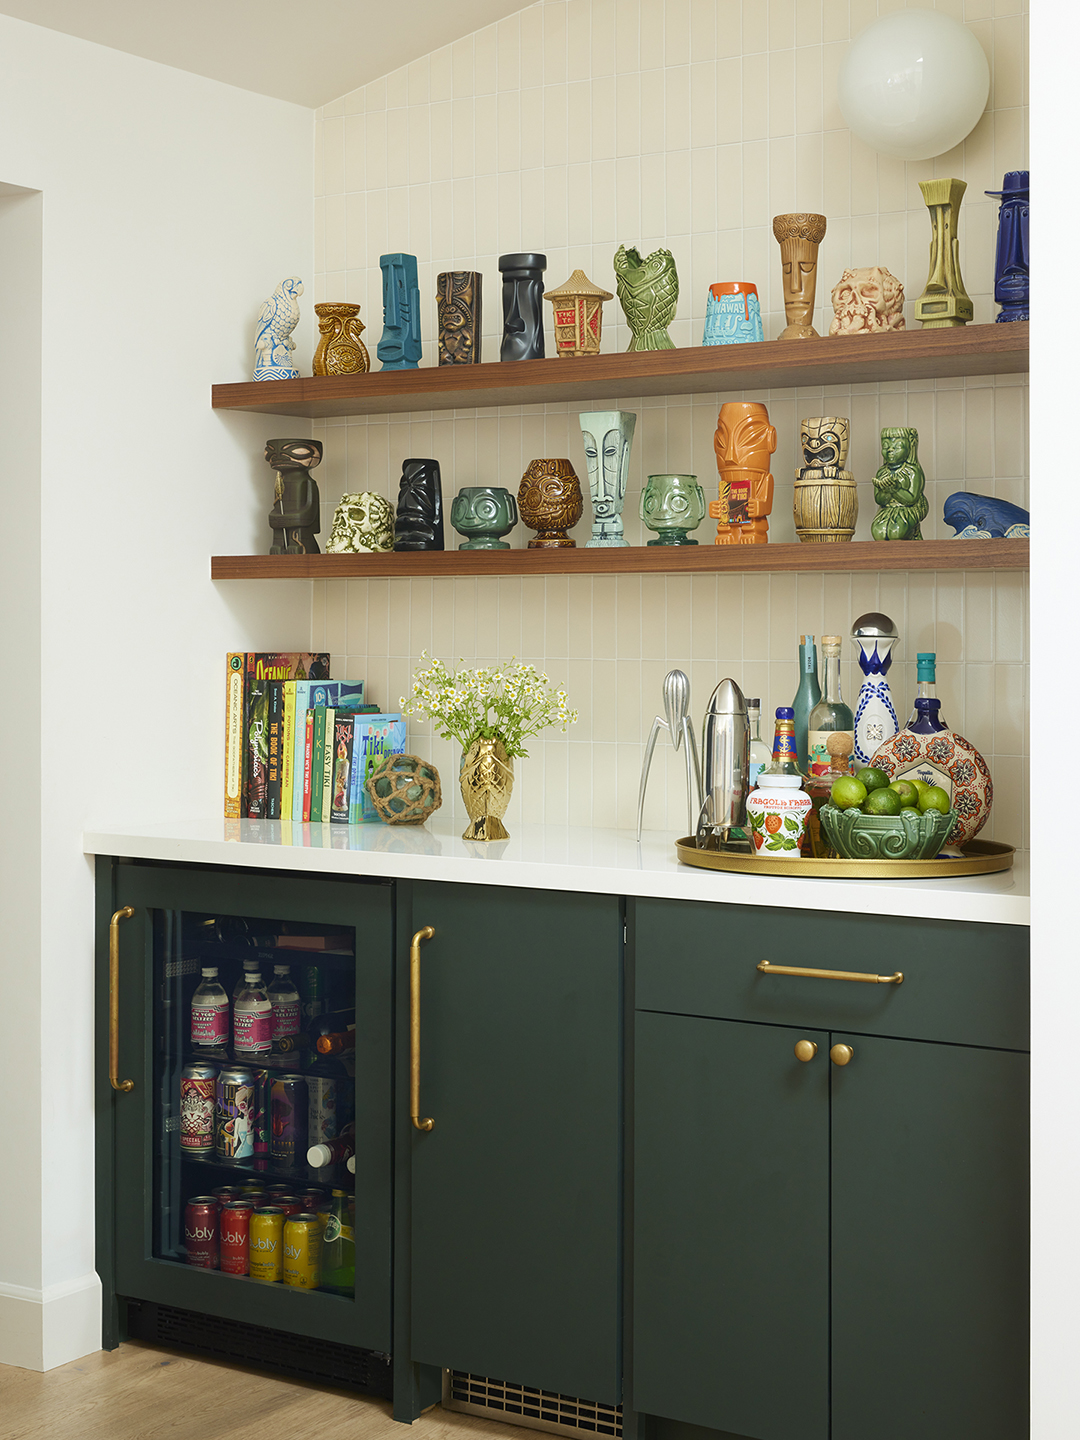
x,y
523,301
294,520
419,522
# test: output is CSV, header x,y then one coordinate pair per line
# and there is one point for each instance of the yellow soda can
x,y
265,1244
302,1243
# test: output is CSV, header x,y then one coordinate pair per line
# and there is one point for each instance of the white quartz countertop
x,y
555,857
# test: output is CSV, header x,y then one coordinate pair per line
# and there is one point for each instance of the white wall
x,y
170,207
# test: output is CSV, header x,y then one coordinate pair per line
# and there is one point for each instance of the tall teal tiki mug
x,y
732,314
648,293
899,487
672,505
607,435
483,514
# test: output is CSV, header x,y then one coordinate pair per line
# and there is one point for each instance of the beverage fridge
x,y
245,1131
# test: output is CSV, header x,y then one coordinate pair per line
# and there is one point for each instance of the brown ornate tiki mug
x,y
799,237
578,307
549,501
487,779
744,443
826,499
458,300
340,350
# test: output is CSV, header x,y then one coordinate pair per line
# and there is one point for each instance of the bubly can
x,y
289,1112
201,1231
234,1225
264,1243
263,1081
302,1242
290,1204
197,1086
224,1193
234,1135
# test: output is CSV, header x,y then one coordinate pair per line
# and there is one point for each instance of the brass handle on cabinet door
x,y
805,1050
767,969
414,1028
114,999
841,1054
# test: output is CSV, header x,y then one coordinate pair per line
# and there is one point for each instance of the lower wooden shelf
x,y
632,560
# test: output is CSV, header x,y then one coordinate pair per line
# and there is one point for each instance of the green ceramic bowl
x,y
856,836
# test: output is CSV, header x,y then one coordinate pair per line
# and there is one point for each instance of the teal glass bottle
x,y
806,697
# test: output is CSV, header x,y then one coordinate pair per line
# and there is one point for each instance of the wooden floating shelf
x,y
769,364
857,555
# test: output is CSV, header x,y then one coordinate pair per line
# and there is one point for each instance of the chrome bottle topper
x,y
725,744
677,723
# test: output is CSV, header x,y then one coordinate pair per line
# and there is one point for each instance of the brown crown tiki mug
x,y
549,501
744,443
799,237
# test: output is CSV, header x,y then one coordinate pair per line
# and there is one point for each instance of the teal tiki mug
x,y
607,436
483,513
671,505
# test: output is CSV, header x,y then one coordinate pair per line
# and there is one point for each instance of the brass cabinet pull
x,y
114,999
414,1028
767,969
805,1050
841,1054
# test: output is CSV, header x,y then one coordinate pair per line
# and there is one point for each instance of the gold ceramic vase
x,y
487,779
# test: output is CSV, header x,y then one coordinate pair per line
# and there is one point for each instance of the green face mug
x,y
672,505
483,513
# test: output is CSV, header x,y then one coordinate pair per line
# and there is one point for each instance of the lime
x,y
909,810
907,792
873,779
847,792
883,802
934,798
920,785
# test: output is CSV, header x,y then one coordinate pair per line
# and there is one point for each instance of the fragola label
x,y
286,1019
210,1024
251,1030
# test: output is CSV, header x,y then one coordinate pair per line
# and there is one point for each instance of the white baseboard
x,y
40,1329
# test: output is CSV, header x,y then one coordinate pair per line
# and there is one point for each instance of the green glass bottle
x,y
807,695
339,1248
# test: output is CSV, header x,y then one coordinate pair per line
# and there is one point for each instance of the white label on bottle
x,y
210,1022
286,1019
251,1030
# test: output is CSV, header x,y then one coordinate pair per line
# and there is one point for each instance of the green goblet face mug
x,y
483,513
672,505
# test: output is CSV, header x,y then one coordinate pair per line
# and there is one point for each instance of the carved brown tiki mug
x,y
458,299
340,350
294,520
799,237
744,443
549,500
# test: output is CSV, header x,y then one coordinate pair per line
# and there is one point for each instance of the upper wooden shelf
x,y
770,364
633,560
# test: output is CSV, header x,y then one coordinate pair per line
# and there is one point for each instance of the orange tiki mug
x,y
744,443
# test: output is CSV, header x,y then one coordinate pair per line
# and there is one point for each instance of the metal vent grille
x,y
525,1405
322,1361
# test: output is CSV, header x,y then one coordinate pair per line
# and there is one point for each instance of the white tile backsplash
x,y
577,125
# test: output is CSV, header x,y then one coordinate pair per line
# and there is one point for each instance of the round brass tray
x,y
981,857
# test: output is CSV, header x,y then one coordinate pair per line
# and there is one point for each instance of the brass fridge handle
x,y
114,999
414,1028
767,969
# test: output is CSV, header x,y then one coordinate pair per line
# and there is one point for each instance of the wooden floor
x,y
140,1392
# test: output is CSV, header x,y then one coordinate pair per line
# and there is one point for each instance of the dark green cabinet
x,y
516,1188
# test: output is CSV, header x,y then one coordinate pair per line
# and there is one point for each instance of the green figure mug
x,y
483,513
672,505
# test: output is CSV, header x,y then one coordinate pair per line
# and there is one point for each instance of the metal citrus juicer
x,y
725,744
681,729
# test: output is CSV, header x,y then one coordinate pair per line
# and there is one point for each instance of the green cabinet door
x,y
929,1242
731,1225
516,1188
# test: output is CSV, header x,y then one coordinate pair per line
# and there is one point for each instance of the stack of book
x,y
298,745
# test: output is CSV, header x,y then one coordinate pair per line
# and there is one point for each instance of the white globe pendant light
x,y
914,84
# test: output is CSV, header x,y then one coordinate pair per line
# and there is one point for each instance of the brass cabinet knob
x,y
805,1050
841,1054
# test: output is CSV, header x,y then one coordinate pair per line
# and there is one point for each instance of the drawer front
x,y
965,984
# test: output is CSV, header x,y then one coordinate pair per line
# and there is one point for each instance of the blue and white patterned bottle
x,y
875,715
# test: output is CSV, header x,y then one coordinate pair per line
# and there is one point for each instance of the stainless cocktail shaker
x,y
725,744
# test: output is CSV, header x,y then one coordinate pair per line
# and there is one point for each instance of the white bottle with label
x,y
252,1019
210,1013
284,1004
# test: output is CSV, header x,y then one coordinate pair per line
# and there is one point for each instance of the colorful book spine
x,y
259,669
318,747
273,750
374,736
288,748
343,752
258,699
235,671
309,729
328,765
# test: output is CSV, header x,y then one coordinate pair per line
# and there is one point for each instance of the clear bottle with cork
x,y
760,754
830,716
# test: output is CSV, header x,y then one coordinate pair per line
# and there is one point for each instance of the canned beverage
x,y
323,1118
289,1107
291,1204
234,1137
312,1199
263,1081
312,992
233,1227
302,1241
253,1187
264,1243
224,1193
201,1231
197,1087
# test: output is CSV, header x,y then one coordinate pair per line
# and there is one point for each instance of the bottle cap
x,y
774,780
753,704
785,712
806,639
210,972
832,644
927,664
281,969
350,1164
319,1155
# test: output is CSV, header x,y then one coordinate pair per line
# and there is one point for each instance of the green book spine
x,y
318,743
